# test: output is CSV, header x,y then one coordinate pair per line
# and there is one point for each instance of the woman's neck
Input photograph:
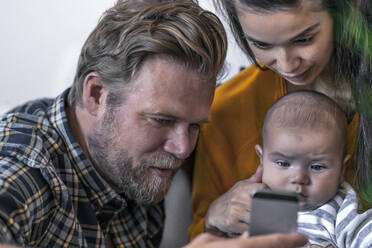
x,y
324,83
338,90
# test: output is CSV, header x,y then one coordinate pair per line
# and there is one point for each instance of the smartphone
x,y
273,212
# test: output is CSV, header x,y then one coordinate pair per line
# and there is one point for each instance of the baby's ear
x,y
259,152
345,164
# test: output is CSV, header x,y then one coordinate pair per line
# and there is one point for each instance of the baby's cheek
x,y
275,179
322,196
265,176
269,180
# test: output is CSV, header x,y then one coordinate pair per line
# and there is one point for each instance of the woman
x,y
322,45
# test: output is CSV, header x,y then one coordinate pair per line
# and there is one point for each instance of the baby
x,y
303,150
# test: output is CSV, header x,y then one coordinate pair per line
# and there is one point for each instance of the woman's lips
x,y
300,77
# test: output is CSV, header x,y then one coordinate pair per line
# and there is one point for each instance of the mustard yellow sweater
x,y
225,152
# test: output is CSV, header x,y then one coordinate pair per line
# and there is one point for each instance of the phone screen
x,y
273,212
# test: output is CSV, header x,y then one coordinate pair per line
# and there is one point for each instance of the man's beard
x,y
136,182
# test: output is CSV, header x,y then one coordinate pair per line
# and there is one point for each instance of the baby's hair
x,y
306,109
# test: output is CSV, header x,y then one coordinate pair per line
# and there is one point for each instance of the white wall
x,y
40,43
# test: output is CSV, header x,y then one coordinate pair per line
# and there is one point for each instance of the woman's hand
x,y
230,213
206,240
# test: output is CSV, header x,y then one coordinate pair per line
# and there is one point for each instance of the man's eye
x,y
195,127
282,164
161,122
317,167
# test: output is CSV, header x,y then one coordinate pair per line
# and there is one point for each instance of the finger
x,y
280,240
292,240
242,215
241,195
236,228
265,241
239,219
245,235
257,176
246,219
205,238
243,189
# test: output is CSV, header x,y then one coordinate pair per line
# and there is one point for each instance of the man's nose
x,y
180,142
287,62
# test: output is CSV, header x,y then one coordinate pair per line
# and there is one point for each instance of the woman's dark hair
x,y
352,62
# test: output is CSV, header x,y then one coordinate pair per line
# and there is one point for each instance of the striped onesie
x,y
338,222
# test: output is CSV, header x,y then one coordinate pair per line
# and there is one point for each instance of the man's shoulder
x,y
27,117
27,133
35,107
27,149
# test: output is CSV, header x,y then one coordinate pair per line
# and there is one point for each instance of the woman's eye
x,y
317,167
282,164
260,45
304,41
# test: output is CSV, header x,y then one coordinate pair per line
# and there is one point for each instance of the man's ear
x,y
93,93
259,152
345,164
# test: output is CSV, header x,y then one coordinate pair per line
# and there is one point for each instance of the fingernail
x,y
244,235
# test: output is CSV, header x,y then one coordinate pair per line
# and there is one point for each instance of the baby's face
x,y
309,162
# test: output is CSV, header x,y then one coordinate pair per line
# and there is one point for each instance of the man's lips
x,y
164,172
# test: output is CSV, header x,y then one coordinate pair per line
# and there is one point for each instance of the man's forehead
x,y
158,69
167,89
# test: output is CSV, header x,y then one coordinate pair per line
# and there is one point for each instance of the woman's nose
x,y
286,61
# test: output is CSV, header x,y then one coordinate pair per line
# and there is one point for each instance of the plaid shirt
x,y
51,195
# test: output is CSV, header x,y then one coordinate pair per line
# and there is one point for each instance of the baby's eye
x,y
282,164
317,167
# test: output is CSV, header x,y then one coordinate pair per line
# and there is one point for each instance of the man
x,y
91,167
